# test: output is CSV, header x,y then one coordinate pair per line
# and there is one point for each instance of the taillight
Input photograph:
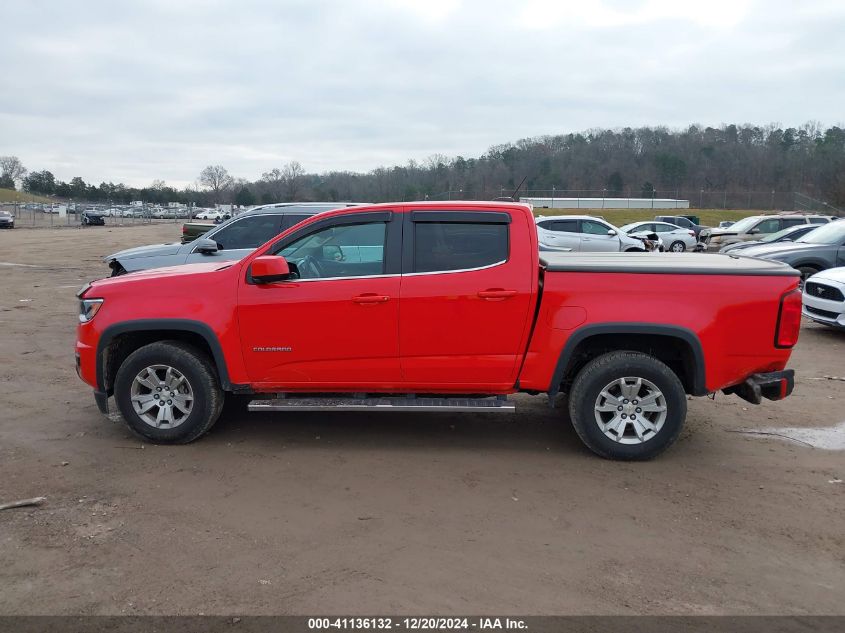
x,y
692,233
789,319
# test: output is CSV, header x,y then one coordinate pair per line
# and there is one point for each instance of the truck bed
x,y
670,264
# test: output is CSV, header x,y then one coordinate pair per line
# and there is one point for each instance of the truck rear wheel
x,y
627,406
168,393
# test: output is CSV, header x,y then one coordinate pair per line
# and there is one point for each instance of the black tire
x,y
600,373
635,250
807,272
207,402
677,247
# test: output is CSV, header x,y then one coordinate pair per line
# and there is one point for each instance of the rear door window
x,y
445,246
787,222
292,219
565,226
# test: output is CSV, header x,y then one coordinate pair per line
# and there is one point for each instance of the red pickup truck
x,y
444,306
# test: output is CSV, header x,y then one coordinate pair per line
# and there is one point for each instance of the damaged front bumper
x,y
775,385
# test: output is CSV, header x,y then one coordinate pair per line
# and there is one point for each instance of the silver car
x,y
675,238
584,233
232,240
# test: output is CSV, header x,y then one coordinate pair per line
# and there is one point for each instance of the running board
x,y
400,403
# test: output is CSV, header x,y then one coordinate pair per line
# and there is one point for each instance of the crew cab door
x,y
595,237
335,326
467,285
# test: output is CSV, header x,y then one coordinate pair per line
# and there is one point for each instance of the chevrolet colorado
x,y
444,306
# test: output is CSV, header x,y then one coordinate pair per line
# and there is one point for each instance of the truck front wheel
x,y
627,406
168,393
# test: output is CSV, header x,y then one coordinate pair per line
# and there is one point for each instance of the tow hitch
x,y
775,385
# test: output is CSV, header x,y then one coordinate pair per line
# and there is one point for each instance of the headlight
x,y
716,239
88,309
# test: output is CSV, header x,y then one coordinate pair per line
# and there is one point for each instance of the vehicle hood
x,y
831,274
741,246
788,248
719,232
169,272
153,250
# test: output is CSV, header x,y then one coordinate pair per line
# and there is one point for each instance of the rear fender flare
x,y
677,332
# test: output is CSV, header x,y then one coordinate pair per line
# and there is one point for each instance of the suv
x,y
753,228
583,233
229,241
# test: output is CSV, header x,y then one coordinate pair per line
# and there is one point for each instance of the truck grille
x,y
823,292
827,314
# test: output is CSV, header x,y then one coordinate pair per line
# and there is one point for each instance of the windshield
x,y
744,224
774,237
833,233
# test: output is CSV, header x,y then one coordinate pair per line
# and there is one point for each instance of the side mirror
x,y
269,268
753,231
206,246
611,232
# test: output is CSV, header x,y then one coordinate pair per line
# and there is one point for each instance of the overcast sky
x,y
133,91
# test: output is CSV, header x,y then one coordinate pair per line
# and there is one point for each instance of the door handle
x,y
370,298
496,293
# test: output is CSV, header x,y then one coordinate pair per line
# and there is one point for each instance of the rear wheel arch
x,y
677,347
118,341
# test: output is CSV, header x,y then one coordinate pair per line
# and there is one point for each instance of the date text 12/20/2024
x,y
418,623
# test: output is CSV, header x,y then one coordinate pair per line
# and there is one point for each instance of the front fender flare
x,y
158,325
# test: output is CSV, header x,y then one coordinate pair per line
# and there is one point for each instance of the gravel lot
x,y
415,514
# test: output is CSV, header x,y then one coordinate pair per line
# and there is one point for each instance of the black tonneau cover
x,y
664,263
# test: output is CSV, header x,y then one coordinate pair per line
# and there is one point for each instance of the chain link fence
x,y
47,215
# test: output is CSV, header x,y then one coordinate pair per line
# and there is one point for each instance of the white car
x,y
210,214
675,238
824,297
584,233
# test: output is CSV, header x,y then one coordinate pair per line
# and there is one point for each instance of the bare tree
x,y
216,179
292,175
274,183
12,171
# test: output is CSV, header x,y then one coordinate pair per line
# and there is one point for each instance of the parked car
x,y
674,238
90,217
753,228
818,250
229,241
210,214
681,221
7,220
422,307
824,297
784,235
584,233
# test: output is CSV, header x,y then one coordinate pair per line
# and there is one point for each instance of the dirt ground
x,y
413,514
